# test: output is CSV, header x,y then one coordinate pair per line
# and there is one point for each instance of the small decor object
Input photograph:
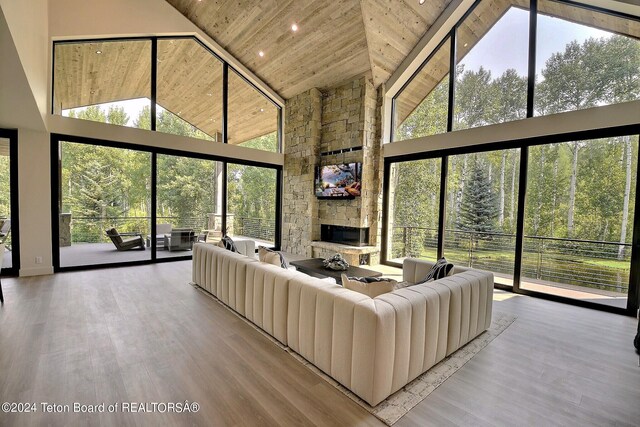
x,y
370,286
272,257
440,269
336,262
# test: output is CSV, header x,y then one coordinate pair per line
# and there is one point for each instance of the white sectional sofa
x,y
372,346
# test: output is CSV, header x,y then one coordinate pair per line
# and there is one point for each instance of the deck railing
x,y
92,230
587,263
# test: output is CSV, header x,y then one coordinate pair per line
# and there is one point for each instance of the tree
x,y
478,210
117,116
474,99
510,97
430,117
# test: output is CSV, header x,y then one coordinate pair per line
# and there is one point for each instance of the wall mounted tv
x,y
340,181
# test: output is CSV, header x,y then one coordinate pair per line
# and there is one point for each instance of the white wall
x,y
34,186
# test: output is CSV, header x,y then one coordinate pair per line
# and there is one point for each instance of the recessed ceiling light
x,y
179,112
421,1
98,52
466,44
294,27
209,94
261,54
92,92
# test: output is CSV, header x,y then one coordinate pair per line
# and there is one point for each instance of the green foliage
x,y
430,117
479,207
267,142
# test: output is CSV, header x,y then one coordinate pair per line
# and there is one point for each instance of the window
x,y
421,108
103,188
414,206
110,81
579,216
104,81
189,199
253,118
482,203
251,203
189,94
5,202
584,59
492,66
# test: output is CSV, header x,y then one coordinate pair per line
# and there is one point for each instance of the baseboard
x,y
36,271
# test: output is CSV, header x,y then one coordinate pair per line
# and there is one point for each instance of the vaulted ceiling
x,y
336,40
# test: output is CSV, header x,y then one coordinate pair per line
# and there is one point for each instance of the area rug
x,y
398,404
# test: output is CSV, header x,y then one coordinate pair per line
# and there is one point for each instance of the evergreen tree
x,y
479,209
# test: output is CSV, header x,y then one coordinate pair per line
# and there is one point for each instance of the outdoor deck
x,y
84,254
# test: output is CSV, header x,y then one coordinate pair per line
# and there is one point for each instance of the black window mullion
x,y
522,193
154,84
444,172
384,257
154,203
531,79
452,79
225,165
225,110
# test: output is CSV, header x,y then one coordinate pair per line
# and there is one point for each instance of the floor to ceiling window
x,y
8,203
105,205
550,214
482,209
414,206
251,203
579,219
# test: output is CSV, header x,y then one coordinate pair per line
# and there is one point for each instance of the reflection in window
x,y
414,201
251,203
253,118
107,82
421,108
584,59
482,203
491,79
189,90
578,216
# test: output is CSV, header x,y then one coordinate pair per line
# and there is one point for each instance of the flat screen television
x,y
339,181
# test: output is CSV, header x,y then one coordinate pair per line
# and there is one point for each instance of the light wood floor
x,y
142,334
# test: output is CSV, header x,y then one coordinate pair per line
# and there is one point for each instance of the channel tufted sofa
x,y
372,346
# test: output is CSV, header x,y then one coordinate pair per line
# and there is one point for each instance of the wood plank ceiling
x,y
336,41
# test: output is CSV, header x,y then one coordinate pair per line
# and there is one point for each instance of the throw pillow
x,y
272,257
440,269
370,286
227,243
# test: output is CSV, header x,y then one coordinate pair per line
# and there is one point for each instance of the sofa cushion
x,y
440,269
370,286
228,243
272,257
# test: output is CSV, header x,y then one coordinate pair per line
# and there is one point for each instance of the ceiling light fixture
x,y
262,110
421,1
261,54
294,27
98,52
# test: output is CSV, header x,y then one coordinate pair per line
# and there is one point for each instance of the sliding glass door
x,y
105,205
579,219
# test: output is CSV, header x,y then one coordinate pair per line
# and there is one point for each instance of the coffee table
x,y
314,267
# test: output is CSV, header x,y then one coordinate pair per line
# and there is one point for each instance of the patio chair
x,y
180,239
5,230
131,241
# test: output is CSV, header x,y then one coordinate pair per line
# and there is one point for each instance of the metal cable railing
x,y
587,263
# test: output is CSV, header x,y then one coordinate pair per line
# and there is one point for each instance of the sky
x,y
506,44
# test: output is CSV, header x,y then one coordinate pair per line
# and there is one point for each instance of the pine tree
x,y
479,208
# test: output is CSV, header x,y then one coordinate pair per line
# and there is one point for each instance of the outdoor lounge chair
x,y
5,230
131,240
